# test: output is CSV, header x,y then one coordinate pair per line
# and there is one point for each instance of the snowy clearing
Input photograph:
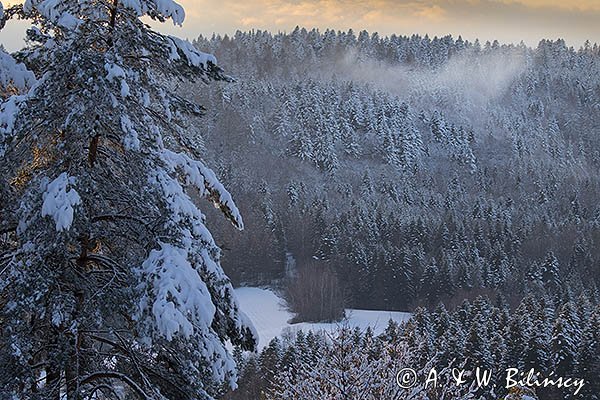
x,y
268,313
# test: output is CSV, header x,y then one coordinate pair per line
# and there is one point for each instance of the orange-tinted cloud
x,y
505,20
582,5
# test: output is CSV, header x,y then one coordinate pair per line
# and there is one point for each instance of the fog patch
x,y
466,84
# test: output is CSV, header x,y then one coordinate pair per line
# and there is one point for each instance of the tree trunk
x,y
73,368
53,381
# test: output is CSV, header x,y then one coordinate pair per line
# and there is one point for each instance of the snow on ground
x,y
270,317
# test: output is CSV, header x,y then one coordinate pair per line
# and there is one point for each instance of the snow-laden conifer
x,y
110,283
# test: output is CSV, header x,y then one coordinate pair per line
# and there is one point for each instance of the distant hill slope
x,y
422,170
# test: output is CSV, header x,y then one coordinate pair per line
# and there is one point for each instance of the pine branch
x,y
115,375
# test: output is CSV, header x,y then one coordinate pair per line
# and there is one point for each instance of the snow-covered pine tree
x,y
566,334
355,365
588,366
110,283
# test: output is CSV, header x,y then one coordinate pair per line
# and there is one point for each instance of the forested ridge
x,y
421,170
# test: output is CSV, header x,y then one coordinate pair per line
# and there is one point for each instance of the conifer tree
x,y
588,367
565,336
114,281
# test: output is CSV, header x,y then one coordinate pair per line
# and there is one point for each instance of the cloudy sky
x,y
505,20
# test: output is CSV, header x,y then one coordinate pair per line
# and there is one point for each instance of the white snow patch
x,y
270,317
134,5
16,76
14,73
146,99
192,55
204,179
167,8
181,299
182,208
124,88
57,317
54,11
131,140
59,201
8,115
69,21
113,71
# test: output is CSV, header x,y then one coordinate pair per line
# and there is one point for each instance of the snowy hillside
x,y
270,317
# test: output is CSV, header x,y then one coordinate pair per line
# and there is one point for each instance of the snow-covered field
x,y
270,317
